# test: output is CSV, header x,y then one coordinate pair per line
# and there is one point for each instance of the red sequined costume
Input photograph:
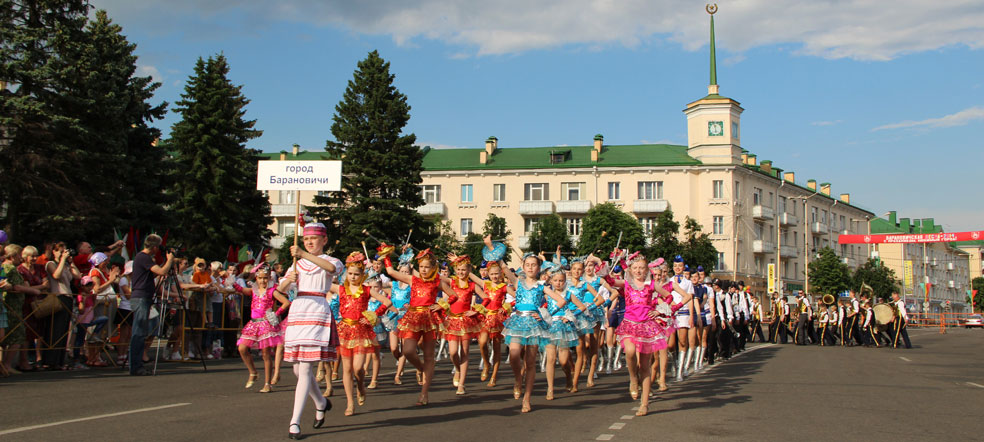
x,y
495,314
419,319
457,326
355,333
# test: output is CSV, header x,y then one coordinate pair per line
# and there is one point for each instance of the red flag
x,y
131,243
233,255
160,250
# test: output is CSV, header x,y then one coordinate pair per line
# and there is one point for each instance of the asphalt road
x,y
771,392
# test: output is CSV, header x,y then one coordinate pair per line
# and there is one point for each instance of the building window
x,y
529,225
467,194
793,205
650,190
759,230
648,224
813,215
498,193
573,226
286,197
432,193
535,192
466,226
614,190
719,225
823,216
571,191
795,239
720,262
738,261
737,191
782,205
734,129
796,270
286,229
785,236
843,222
785,267
756,196
718,186
758,265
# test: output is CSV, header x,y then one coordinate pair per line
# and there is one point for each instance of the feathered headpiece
x,y
461,259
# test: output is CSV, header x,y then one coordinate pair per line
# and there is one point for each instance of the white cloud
x,y
826,123
958,119
151,71
439,145
856,29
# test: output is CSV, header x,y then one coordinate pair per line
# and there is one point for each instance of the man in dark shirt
x,y
145,271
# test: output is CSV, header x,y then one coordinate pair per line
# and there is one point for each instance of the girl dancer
x,y
525,329
461,324
562,333
310,336
496,312
585,301
704,306
686,335
379,329
263,330
328,371
356,337
422,321
399,296
614,315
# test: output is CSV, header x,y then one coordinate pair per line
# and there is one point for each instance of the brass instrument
x,y
829,300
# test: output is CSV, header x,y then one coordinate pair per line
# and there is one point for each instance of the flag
x,y
244,254
262,256
232,256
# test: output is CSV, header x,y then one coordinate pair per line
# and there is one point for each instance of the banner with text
x,y
299,175
911,238
772,277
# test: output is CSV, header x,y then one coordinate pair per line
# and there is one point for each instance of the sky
x,y
882,99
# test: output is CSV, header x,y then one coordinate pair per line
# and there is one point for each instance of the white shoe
x,y
210,356
175,356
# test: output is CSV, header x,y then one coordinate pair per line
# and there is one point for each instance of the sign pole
x,y
297,224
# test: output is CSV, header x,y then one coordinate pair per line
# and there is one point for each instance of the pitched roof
x,y
574,156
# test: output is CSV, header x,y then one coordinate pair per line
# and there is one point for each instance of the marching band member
x,y
801,324
900,322
867,332
854,332
784,328
686,335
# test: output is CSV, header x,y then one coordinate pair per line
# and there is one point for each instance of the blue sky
x,y
884,101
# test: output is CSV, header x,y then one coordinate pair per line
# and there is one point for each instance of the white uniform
x,y
682,315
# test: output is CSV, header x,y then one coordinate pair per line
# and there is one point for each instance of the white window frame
x,y
648,224
431,193
498,193
718,223
467,193
573,226
529,225
567,188
650,190
531,189
720,261
718,189
614,190
467,226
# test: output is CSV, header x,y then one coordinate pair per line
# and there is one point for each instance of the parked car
x,y
974,321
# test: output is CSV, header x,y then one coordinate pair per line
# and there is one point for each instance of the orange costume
x,y
459,327
419,319
355,333
495,313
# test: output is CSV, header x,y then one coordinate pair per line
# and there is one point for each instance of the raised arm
x,y
300,253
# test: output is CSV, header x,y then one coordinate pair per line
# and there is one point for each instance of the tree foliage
x,y
978,284
610,219
828,274
880,278
549,233
216,201
697,248
665,237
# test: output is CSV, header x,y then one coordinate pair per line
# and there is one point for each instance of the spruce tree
x,y
216,202
608,218
698,249
381,165
664,238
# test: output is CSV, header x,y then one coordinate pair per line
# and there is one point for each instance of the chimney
x,y
790,176
483,157
744,158
812,185
598,141
846,197
491,144
825,188
295,149
594,154
892,217
752,161
767,166
283,155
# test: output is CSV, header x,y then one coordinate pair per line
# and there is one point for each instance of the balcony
x,y
786,219
524,242
950,266
277,241
282,210
573,207
788,251
763,246
761,212
951,284
819,228
432,209
534,208
650,206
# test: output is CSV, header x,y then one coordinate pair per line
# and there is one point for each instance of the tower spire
x,y
712,88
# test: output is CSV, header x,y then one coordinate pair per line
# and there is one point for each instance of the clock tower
x,y
714,122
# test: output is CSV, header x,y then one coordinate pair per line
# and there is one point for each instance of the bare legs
x,y
460,361
425,366
353,366
552,354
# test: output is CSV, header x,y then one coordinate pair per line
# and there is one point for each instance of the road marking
x,y
905,359
617,426
976,385
83,419
627,417
605,437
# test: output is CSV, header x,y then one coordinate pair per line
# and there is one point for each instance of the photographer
x,y
142,296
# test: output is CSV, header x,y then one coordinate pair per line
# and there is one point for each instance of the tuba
x,y
829,300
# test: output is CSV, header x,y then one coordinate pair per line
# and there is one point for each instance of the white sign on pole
x,y
299,175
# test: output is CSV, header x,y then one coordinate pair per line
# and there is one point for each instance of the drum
x,y
884,314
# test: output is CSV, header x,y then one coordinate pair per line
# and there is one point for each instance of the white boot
x,y
543,363
618,358
689,363
679,366
700,358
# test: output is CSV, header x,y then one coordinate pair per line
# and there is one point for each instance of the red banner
x,y
911,238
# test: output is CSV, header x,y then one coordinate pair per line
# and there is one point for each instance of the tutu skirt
x,y
309,333
357,338
260,334
682,321
647,336
561,334
393,325
461,328
524,330
420,322
587,320
492,323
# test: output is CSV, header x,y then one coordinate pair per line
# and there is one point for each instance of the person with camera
x,y
61,271
145,271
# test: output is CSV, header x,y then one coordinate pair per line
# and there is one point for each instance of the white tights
x,y
306,385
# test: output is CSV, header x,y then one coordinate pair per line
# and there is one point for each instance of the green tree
x,y
828,274
497,228
665,237
216,201
698,249
446,241
473,248
610,219
549,233
381,186
881,279
978,284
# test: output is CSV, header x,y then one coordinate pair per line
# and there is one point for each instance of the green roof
x,y
539,157
301,156
904,225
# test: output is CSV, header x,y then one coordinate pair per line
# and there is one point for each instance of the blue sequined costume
x,y
562,333
379,328
399,296
525,326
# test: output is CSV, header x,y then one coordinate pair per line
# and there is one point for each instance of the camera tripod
x,y
170,284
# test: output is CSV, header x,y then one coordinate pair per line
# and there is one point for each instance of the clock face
x,y
715,128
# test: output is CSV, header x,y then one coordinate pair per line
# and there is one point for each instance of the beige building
x,y
755,212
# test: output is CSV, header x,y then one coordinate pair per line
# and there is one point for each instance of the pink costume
x,y
648,335
259,332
